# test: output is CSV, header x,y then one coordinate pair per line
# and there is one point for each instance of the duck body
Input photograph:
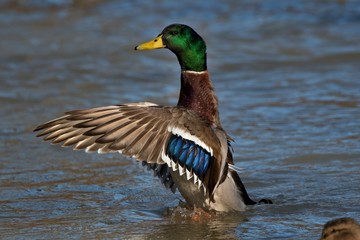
x,y
184,145
341,229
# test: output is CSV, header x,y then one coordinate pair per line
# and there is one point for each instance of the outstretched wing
x,y
146,132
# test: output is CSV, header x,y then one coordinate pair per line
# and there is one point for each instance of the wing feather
x,y
139,130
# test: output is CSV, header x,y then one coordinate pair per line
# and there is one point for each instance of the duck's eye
x,y
174,33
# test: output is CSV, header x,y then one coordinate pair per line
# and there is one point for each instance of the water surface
x,y
287,77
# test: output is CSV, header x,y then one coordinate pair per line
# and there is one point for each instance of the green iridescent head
x,y
182,40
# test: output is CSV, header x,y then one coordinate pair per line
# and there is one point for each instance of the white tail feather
x,y
181,170
236,168
195,179
189,174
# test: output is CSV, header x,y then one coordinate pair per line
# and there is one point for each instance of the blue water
x,y
287,77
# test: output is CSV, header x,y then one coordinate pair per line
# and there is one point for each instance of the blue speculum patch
x,y
188,154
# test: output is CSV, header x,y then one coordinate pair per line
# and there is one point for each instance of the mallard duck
x,y
341,229
184,145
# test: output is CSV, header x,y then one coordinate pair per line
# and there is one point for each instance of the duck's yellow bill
x,y
153,44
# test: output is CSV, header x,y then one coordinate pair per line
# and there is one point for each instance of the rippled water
x,y
287,76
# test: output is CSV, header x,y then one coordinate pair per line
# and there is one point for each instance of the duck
x,y
184,145
341,229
